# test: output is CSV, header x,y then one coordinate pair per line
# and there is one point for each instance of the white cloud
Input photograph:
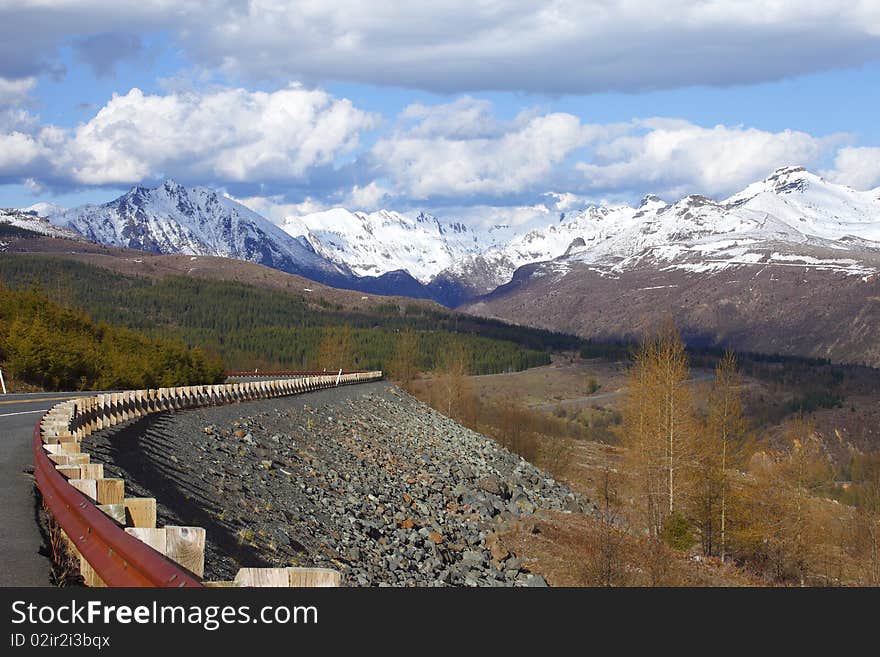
x,y
475,153
19,151
857,167
230,135
14,93
673,157
487,216
367,197
557,46
277,210
296,143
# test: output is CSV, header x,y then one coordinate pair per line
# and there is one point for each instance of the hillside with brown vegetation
x,y
795,477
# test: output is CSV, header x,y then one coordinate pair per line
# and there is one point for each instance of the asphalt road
x,y
20,539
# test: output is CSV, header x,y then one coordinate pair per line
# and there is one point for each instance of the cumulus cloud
x,y
675,157
460,149
558,46
857,167
295,143
230,135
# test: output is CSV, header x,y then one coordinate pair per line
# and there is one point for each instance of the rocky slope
x,y
767,305
365,479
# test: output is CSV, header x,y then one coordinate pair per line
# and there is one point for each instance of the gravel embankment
x,y
365,479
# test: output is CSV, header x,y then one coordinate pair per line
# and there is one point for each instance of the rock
x,y
496,548
472,558
492,484
435,537
535,581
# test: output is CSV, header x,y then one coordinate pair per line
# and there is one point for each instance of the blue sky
x,y
462,108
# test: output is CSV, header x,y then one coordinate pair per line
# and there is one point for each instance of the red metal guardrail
x,y
119,558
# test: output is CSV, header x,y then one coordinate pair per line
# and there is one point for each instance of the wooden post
x,y
140,511
70,471
314,577
115,511
110,491
88,487
153,537
263,577
89,575
186,546
92,471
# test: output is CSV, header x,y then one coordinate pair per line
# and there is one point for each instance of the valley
x,y
539,357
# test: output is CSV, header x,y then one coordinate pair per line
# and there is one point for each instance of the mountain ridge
x,y
419,255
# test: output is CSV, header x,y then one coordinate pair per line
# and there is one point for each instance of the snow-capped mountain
x,y
30,220
790,213
789,265
172,218
782,220
791,209
372,244
43,209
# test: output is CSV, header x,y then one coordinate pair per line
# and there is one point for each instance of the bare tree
x,y
606,565
714,451
658,417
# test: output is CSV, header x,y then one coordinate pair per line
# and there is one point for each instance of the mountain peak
x,y
651,201
171,186
787,170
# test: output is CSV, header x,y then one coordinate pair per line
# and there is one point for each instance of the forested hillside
x,y
249,326
57,348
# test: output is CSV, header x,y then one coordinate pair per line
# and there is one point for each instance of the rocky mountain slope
x,y
380,242
33,222
172,219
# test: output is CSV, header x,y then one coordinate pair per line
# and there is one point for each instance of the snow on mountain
x,y
791,218
30,220
193,221
778,220
372,244
43,209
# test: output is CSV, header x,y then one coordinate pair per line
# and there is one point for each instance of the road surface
x,y
20,540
